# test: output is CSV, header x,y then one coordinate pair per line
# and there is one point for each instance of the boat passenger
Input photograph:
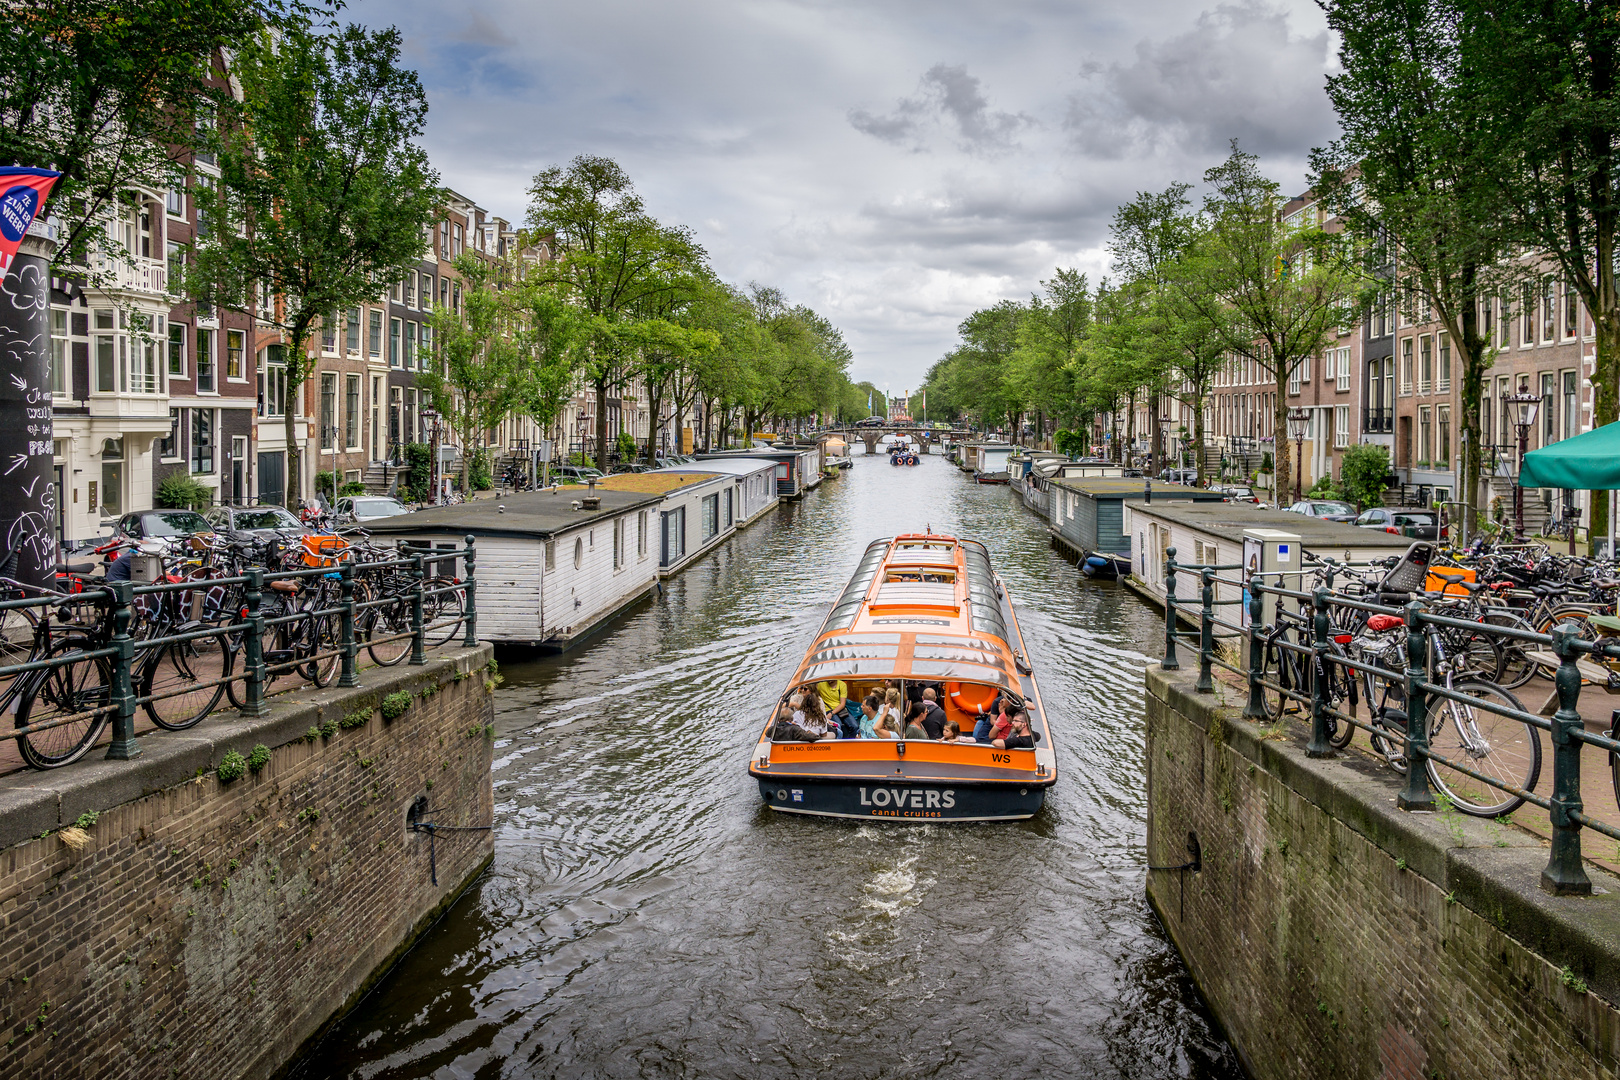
x,y
785,730
1000,727
816,720
894,707
892,727
933,715
796,703
952,732
1021,738
870,713
914,728
837,704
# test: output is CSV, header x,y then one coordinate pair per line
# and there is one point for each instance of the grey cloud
x,y
1239,73
948,94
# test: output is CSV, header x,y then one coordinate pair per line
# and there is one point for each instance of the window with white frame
x,y
1442,447
1572,311
205,361
202,440
1406,365
272,380
1549,310
374,337
1424,433
1294,379
1341,426
1344,370
351,332
351,412
235,352
1425,364
1527,315
1443,347
61,352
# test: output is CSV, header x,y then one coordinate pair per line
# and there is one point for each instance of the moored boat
x,y
922,611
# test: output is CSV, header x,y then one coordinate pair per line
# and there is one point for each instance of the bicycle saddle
x,y
284,586
76,568
1384,622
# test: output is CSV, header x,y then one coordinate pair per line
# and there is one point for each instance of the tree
x,y
1544,79
112,93
473,379
549,335
1407,179
1364,474
613,259
1039,372
1263,288
324,195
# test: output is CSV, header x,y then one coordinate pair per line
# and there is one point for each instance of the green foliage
x,y
584,460
353,487
419,462
1072,443
179,491
329,728
1267,461
231,766
358,718
1324,488
1364,474
395,705
324,194
259,757
87,819
326,482
626,446
312,734
1571,980
479,473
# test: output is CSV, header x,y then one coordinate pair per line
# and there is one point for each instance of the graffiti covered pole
x,y
27,488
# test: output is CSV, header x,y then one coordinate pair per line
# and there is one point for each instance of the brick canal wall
x,y
1336,936
202,928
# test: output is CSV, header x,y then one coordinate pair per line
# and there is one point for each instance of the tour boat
x,y
922,610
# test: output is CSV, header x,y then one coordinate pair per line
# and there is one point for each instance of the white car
x,y
364,508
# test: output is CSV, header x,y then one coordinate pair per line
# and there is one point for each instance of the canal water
x,y
646,917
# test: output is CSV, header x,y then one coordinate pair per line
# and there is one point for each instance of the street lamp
x,y
1298,418
431,415
1524,405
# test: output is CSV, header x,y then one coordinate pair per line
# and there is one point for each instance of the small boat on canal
x,y
922,611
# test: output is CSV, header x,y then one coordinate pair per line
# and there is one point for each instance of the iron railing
x,y
1564,873
116,603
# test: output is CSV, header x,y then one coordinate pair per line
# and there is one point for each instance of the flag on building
x,y
22,197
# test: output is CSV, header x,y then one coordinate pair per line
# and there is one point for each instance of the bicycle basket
x,y
1408,575
322,551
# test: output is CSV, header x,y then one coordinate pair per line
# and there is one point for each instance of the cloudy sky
x,y
893,164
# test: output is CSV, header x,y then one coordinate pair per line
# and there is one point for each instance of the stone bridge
x,y
871,435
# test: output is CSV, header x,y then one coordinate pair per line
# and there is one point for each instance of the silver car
x,y
364,508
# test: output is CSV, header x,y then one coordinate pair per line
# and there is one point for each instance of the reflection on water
x,y
645,916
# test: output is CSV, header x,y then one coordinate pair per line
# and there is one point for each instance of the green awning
x,y
1589,462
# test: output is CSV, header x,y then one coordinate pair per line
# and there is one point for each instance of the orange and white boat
x,y
922,610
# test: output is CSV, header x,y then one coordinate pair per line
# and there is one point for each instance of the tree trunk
x,y
655,401
1605,403
1155,435
1198,439
295,366
1281,473
601,424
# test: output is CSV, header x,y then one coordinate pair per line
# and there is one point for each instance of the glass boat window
x,y
855,652
959,672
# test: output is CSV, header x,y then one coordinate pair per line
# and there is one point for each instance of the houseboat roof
x,y
657,482
717,466
1120,487
760,453
527,513
1228,521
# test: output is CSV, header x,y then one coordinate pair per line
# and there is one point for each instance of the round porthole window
x,y
579,553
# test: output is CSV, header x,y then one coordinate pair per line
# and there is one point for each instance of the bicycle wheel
x,y
441,614
75,687
322,634
378,630
1496,746
1286,670
182,681
17,635
1341,687
1516,667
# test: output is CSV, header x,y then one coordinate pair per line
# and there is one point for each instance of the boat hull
x,y
1103,566
903,800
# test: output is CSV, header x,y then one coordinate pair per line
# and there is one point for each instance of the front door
x,y
273,478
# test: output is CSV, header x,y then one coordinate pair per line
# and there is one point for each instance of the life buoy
x,y
964,702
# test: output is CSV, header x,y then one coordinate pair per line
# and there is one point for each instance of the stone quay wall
x,y
200,928
1334,935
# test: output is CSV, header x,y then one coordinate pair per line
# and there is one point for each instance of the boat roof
x,y
526,513
1229,521
1121,487
654,482
893,621
727,467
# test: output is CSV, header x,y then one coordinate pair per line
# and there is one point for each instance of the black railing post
x,y
1169,663
418,646
346,624
1319,746
472,596
1416,795
1206,633
253,646
1565,875
1256,707
123,665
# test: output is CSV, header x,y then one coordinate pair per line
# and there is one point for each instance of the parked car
x,y
149,524
1242,493
1179,476
1326,509
363,508
870,421
575,474
1413,521
255,522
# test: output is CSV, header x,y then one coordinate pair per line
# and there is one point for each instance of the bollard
x,y
1319,746
472,597
346,624
1206,634
1169,663
253,646
1256,707
123,746
1416,795
1564,874
418,649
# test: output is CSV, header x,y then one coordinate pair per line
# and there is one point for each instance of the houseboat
x,y
698,510
991,464
921,611
753,484
1028,468
1088,517
797,469
553,565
